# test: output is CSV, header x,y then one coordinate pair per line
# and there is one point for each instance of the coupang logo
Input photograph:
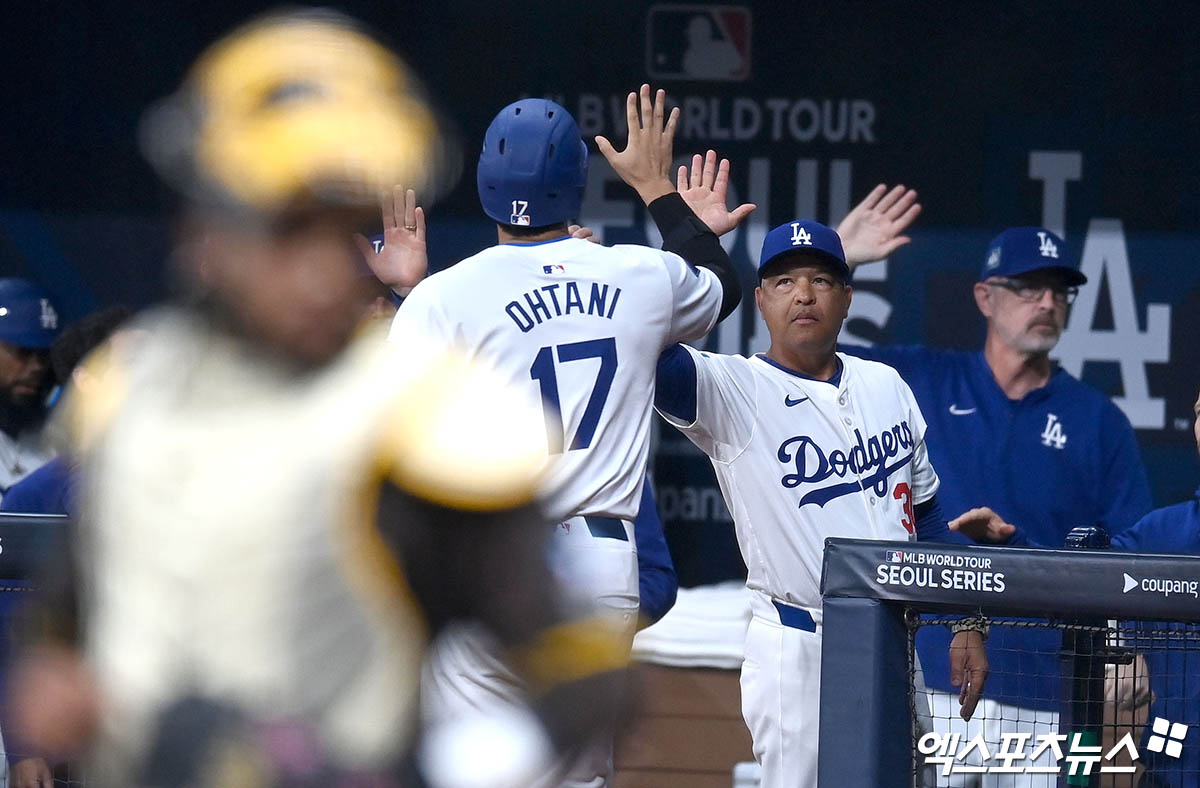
x,y
867,460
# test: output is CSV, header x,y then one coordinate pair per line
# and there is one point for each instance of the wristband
x,y
977,623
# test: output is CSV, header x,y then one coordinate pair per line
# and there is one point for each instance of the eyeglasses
x,y
1031,292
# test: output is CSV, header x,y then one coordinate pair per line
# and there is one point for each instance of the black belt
x,y
606,528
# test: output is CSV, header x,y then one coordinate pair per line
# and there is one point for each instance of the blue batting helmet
x,y
27,315
533,166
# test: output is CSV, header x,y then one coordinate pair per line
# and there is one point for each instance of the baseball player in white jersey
x,y
807,443
578,327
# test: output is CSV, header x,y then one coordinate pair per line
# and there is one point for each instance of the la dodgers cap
x,y
1022,250
808,236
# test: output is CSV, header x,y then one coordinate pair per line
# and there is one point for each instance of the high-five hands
x,y
705,191
403,261
874,228
646,160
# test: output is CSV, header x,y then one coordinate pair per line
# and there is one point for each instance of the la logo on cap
x,y
1048,248
994,258
49,317
800,236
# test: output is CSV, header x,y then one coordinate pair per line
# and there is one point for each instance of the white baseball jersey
x,y
21,456
799,460
579,328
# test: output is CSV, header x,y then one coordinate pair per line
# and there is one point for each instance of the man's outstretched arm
x,y
644,166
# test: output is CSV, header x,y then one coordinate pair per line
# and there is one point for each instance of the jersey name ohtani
x,y
562,298
813,465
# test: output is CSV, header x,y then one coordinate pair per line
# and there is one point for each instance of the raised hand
x,y
982,525
646,160
705,190
873,230
403,260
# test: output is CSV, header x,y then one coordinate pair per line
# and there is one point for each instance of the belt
x,y
794,617
606,528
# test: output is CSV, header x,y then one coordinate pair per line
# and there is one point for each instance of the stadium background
x,y
954,99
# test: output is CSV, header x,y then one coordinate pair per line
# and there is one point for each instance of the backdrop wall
x,y
1079,116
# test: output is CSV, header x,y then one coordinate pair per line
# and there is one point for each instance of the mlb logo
x,y
519,219
698,42
895,557
553,269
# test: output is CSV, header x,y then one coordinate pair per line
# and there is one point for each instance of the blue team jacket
x,y
48,490
1174,672
1062,457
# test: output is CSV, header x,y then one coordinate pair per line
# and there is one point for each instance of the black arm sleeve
x,y
684,234
489,566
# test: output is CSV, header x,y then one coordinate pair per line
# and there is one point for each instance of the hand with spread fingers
x,y
706,189
403,261
646,160
874,228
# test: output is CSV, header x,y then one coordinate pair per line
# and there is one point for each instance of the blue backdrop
x,y
1079,116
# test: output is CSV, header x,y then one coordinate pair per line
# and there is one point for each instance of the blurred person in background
x,y
1170,682
1009,428
51,489
276,512
28,326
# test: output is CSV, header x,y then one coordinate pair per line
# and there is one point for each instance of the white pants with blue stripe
x,y
781,695
781,691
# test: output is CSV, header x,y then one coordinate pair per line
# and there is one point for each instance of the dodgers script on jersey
x,y
578,327
799,460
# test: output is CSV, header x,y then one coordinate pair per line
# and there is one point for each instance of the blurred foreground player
x,y
275,515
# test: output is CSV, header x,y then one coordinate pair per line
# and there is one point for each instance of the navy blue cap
x,y
27,315
1023,250
808,236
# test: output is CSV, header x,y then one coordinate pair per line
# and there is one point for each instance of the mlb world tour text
x,y
935,570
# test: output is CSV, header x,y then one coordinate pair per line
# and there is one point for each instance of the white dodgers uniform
x,y
577,327
798,460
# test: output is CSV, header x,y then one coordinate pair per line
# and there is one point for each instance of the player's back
x,y
579,326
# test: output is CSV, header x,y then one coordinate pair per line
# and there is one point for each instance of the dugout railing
x,y
875,594
28,543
